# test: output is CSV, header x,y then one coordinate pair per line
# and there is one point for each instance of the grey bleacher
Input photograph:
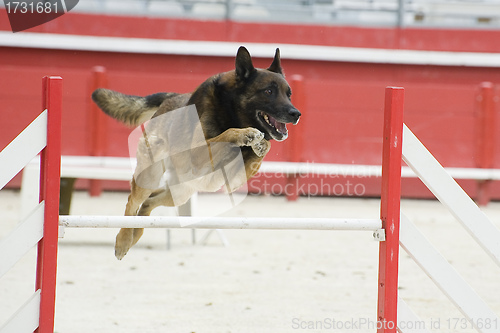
x,y
449,13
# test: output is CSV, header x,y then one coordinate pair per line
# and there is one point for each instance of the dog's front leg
x,y
242,137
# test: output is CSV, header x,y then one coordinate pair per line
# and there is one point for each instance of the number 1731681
x,y
31,7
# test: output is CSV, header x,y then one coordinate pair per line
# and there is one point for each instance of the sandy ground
x,y
265,281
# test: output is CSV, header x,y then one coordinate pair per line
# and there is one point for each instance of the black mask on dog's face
x,y
267,95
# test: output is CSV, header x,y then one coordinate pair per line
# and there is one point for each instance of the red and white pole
x,y
390,210
50,172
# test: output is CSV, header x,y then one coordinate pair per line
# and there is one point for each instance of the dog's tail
x,y
131,110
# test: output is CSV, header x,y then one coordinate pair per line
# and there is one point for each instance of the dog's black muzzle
x,y
294,114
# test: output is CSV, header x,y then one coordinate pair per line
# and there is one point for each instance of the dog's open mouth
x,y
275,125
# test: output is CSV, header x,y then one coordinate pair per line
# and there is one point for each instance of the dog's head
x,y
264,96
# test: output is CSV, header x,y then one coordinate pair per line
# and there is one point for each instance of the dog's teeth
x,y
266,118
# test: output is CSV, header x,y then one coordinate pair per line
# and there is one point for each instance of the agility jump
x,y
38,313
42,225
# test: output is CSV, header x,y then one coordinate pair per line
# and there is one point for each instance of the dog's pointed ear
x,y
244,66
276,65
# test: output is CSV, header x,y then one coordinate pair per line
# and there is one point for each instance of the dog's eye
x,y
268,92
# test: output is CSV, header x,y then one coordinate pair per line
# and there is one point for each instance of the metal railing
x,y
450,13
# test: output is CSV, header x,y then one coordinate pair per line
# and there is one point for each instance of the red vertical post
x,y
50,172
98,125
485,137
295,135
390,210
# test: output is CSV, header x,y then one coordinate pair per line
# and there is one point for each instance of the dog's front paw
x,y
261,148
250,136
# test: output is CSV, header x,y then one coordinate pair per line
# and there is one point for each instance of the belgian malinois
x,y
239,113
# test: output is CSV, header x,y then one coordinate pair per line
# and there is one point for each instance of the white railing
x,y
360,12
477,224
40,227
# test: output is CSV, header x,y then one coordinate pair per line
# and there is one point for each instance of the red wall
x,y
342,118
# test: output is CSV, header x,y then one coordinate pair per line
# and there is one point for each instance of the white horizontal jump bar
x,y
197,222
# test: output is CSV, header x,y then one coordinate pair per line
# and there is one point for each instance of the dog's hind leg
x,y
165,198
145,181
127,237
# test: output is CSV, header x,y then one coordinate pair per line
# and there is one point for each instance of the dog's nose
x,y
294,113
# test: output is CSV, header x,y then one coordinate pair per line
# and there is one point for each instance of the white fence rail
x,y
40,225
270,223
29,231
23,148
451,195
484,232
446,278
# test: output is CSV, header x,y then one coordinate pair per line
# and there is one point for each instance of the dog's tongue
x,y
280,127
